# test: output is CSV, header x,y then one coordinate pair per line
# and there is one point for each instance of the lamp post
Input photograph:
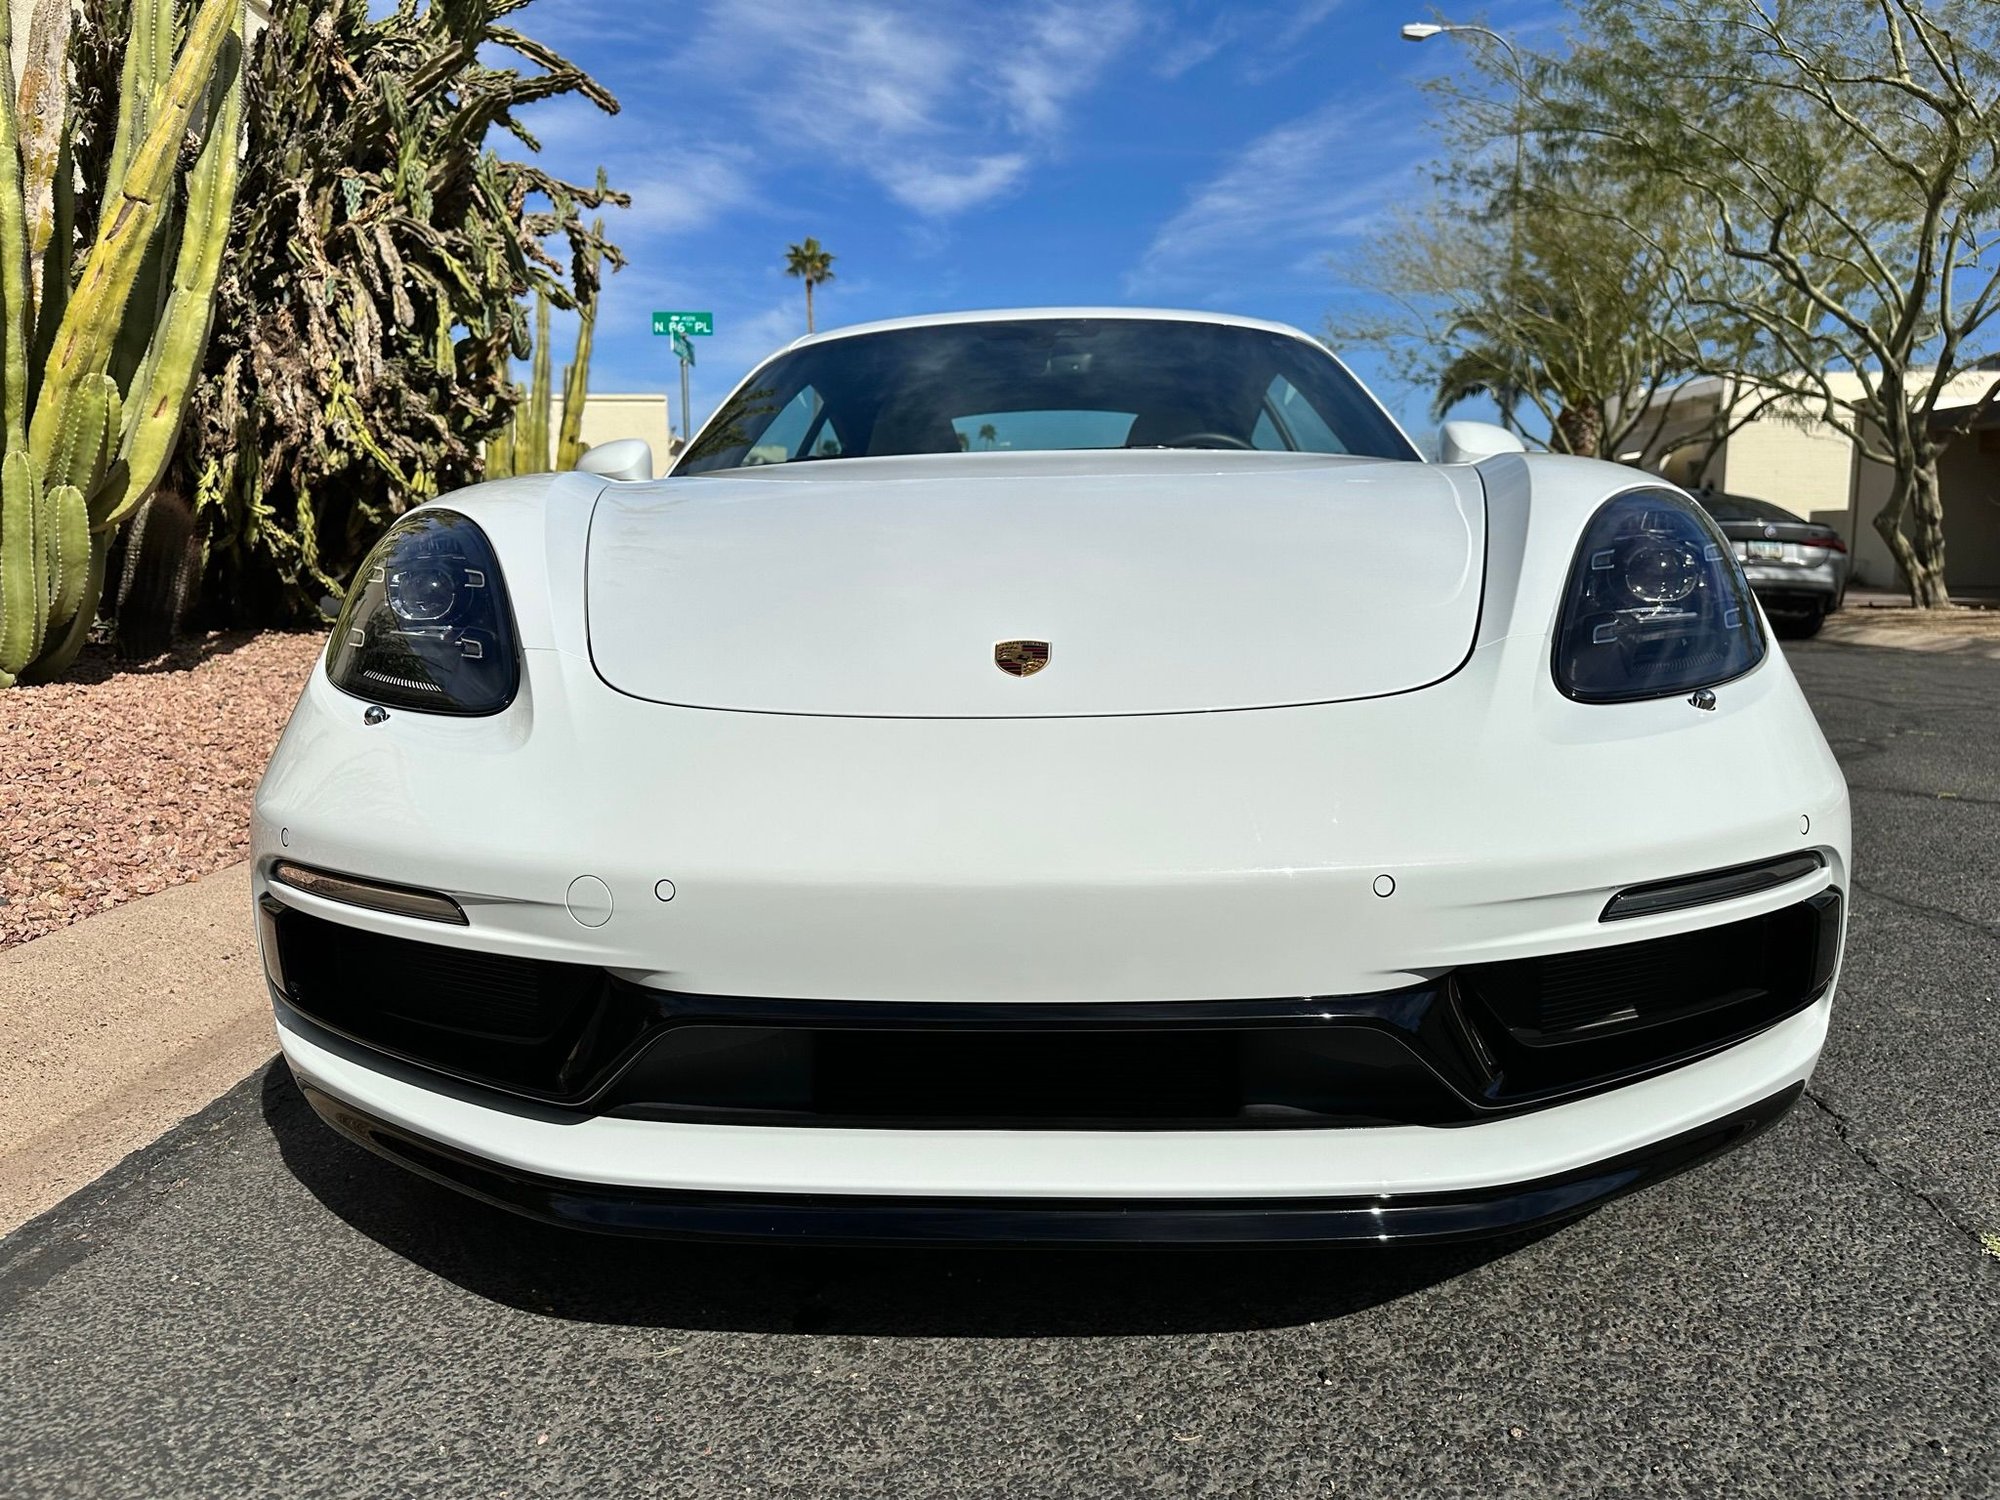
x,y
1423,31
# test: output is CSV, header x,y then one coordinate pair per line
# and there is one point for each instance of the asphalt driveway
x,y
252,1307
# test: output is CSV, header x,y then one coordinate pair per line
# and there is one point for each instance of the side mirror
x,y
1468,442
627,459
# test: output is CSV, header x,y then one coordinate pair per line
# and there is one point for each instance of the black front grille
x,y
1601,1011
1268,1069
521,1023
1483,1039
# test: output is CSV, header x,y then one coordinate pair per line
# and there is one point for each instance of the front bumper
x,y
1345,849
854,1219
639,1175
1182,857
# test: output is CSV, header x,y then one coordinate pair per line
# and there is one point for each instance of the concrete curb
x,y
119,1027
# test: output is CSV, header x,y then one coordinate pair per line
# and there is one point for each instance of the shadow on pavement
x,y
966,1293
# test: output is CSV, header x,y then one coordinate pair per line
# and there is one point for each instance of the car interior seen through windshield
x,y
1041,384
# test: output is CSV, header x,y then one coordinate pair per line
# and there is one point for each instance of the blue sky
x,y
1004,154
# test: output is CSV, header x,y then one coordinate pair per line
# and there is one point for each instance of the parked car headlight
x,y
1655,604
426,624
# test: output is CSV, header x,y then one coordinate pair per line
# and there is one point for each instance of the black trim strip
x,y
858,1220
1711,885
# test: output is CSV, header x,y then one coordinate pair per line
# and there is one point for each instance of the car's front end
x,y
1456,954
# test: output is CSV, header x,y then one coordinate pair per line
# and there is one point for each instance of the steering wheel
x,y
1205,440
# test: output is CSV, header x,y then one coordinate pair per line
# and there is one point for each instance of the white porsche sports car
x,y
1048,776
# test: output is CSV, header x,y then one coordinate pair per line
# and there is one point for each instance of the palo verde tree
x,y
1842,164
1521,279
384,255
1569,330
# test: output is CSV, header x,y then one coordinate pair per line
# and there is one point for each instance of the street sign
x,y
665,323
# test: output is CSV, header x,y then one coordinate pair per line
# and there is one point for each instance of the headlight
x,y
426,625
1655,604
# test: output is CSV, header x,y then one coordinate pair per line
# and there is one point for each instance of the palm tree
x,y
812,263
987,434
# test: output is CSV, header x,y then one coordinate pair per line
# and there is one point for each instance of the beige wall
x,y
610,415
1807,469
1811,468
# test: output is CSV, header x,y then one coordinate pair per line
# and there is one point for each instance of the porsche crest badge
x,y
1021,658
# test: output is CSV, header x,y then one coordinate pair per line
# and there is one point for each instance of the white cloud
x,y
1176,55
1292,190
1305,18
946,106
698,187
941,189
1057,55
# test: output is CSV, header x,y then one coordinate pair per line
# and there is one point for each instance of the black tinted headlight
x,y
426,624
1655,604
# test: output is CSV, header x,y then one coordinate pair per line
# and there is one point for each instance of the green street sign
x,y
666,324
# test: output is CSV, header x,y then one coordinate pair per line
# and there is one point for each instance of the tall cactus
x,y
576,374
523,445
95,376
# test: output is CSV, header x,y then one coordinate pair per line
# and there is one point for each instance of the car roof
x,y
1746,508
1025,314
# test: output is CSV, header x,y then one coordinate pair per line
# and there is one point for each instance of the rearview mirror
x,y
627,459
1468,442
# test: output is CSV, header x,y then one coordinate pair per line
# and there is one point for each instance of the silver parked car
x,y
1797,568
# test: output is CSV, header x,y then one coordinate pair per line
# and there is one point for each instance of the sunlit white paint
x,y
1102,854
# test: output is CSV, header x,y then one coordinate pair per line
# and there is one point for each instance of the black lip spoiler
x,y
1214,1223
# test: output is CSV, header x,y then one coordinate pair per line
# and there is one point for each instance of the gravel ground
x,y
124,780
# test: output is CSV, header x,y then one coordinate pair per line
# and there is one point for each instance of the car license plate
x,y
1764,552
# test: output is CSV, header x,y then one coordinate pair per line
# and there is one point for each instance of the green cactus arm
x,y
531,452
500,453
72,552
23,613
60,653
90,324
77,455
16,315
149,61
576,378
46,542
158,398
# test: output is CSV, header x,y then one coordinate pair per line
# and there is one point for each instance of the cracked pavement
x,y
251,1306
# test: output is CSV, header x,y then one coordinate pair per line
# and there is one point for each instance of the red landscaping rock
x,y
123,780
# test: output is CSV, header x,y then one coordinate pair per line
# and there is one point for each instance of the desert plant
x,y
383,253
522,446
95,371
576,374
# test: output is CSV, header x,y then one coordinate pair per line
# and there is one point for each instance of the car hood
x,y
1162,582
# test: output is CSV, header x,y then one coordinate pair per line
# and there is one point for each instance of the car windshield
x,y
1044,384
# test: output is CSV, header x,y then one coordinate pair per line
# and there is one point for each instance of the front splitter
x,y
840,1219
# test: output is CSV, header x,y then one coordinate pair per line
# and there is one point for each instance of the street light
x,y
1423,31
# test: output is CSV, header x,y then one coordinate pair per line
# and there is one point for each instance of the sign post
x,y
679,326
